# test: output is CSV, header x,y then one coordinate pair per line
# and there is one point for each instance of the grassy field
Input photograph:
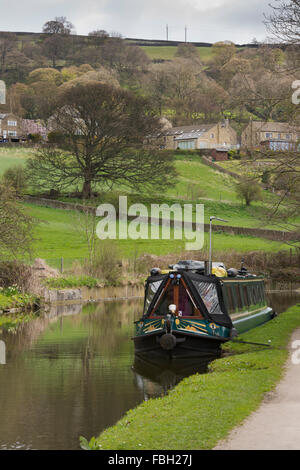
x,y
203,409
13,156
168,52
196,183
58,234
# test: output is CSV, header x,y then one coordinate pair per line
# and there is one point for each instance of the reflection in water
x,y
69,374
156,378
281,301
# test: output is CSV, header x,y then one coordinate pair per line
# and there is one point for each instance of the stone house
x,y
10,128
199,136
279,136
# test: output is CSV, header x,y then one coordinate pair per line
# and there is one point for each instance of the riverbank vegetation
x,y
203,409
16,307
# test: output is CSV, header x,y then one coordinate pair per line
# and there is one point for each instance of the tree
x,y
98,37
55,48
283,210
187,51
126,59
15,178
223,52
16,227
284,21
102,136
248,190
8,43
60,25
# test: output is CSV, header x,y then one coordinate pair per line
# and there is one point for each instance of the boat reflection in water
x,y
156,377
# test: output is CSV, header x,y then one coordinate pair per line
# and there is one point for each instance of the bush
x,y
234,155
106,263
35,138
16,274
15,178
248,190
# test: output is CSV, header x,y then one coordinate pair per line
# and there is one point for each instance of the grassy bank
x,y
11,300
203,409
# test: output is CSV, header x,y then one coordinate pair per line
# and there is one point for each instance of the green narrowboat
x,y
189,313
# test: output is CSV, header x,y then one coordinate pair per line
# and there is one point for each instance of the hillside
x,y
59,235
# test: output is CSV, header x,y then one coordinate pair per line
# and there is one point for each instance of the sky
x,y
206,20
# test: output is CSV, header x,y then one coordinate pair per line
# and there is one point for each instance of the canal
x,y
75,374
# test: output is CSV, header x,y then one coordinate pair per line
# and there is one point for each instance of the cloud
x,y
237,20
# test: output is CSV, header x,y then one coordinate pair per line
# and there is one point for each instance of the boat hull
x,y
181,343
246,322
186,346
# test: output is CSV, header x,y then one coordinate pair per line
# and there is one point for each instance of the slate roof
x,y
189,132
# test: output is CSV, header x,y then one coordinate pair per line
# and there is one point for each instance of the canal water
x,y
75,374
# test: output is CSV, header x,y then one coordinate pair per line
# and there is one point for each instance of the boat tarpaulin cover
x,y
207,292
154,287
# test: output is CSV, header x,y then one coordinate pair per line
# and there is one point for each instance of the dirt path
x,y
276,424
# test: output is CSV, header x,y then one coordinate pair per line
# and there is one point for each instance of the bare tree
x,y
102,140
284,21
8,43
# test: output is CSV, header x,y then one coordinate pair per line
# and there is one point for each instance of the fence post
x,y
61,265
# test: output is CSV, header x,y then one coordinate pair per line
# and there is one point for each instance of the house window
x,y
288,136
186,145
12,133
269,135
278,136
12,123
212,136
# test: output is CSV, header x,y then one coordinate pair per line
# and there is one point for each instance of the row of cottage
x,y
219,137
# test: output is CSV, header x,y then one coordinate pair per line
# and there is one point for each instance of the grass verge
x,y
71,281
203,409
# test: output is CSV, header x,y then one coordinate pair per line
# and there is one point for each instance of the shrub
x,y
15,178
106,263
248,190
14,273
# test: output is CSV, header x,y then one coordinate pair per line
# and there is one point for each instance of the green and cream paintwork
x,y
181,325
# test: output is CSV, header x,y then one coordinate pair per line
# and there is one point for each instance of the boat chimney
x,y
206,268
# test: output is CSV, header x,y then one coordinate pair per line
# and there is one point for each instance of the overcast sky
x,y
206,20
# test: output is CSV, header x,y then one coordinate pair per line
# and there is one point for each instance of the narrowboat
x,y
189,313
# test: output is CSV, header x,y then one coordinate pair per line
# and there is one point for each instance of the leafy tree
x,y
248,190
102,140
60,25
223,52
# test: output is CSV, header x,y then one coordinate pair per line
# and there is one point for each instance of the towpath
x,y
276,424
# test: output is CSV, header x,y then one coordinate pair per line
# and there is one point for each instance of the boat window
x,y
166,299
238,296
245,293
209,295
151,291
231,306
185,305
179,296
256,296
